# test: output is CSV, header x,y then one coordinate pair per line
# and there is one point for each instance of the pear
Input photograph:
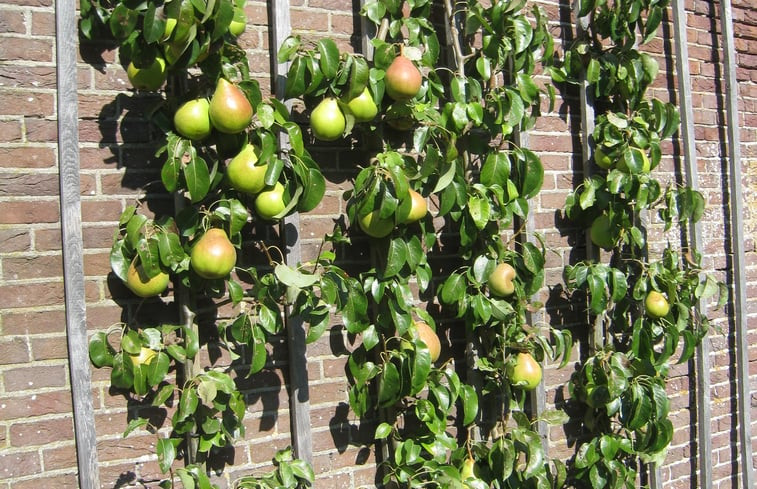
x,y
403,79
213,256
363,107
244,173
192,120
230,111
327,120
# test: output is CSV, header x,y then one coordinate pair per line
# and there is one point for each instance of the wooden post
x,y
299,396
71,235
688,140
586,101
739,303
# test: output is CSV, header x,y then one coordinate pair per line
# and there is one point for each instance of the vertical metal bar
x,y
737,242
71,235
299,395
688,140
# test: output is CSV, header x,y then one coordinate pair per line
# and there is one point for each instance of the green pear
x,y
327,120
192,120
243,172
363,107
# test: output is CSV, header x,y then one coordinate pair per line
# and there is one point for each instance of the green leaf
x,y
197,177
532,176
454,289
163,395
288,49
396,257
329,57
294,278
101,354
122,21
153,26
593,71
358,77
166,454
158,368
295,83
469,398
191,342
480,210
135,424
389,385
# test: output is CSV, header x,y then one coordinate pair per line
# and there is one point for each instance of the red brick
x,y
27,157
43,23
59,457
21,48
38,404
10,131
58,481
19,464
30,267
49,348
33,377
12,21
40,130
36,322
100,211
13,350
14,240
30,295
28,103
41,432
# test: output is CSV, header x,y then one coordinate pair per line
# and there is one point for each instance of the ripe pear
x,y
230,111
430,338
244,173
500,281
418,207
192,120
143,286
526,373
213,256
327,120
403,79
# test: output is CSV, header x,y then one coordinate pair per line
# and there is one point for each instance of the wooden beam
x,y
73,261
691,174
299,395
737,247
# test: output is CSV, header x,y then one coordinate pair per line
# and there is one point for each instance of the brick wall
x,y
36,428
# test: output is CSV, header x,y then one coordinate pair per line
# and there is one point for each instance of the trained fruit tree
x,y
448,124
448,351
231,185
643,302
